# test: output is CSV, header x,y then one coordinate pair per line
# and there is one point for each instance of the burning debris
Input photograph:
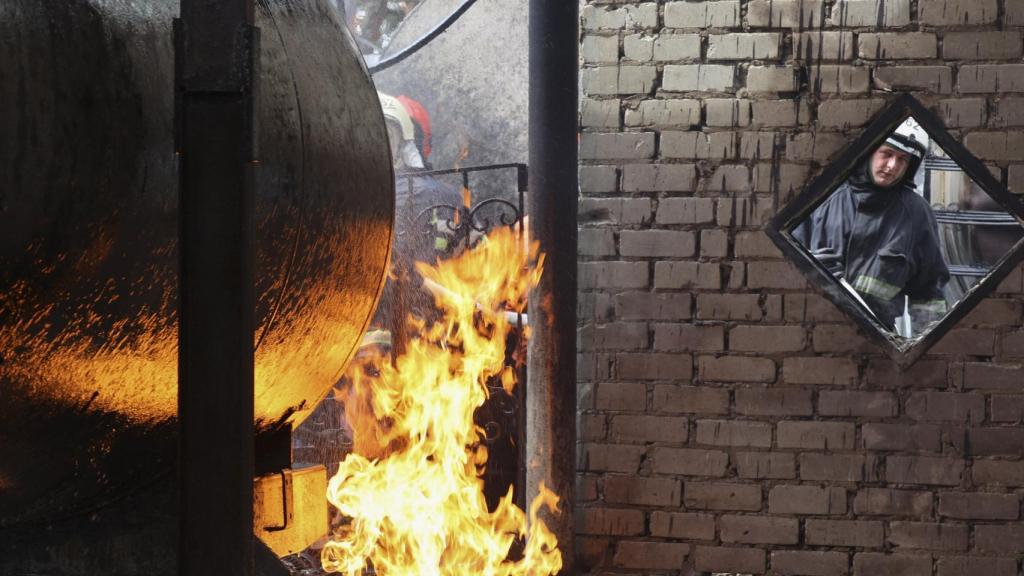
x,y
410,494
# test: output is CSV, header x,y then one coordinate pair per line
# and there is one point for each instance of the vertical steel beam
x,y
216,56
551,409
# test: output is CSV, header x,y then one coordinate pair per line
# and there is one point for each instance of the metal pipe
x,y
553,189
216,57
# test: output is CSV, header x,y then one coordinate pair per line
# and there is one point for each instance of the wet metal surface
x,y
88,257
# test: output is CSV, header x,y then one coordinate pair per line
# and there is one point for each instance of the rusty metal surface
x,y
290,509
88,197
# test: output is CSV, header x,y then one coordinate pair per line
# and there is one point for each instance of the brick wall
x,y
731,419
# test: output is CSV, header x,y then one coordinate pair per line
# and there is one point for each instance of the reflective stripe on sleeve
x,y
937,306
874,287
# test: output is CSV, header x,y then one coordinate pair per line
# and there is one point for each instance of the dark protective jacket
x,y
885,244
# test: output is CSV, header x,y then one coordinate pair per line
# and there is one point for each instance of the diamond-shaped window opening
x,y
907,258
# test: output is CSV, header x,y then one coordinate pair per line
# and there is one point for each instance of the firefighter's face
x,y
888,165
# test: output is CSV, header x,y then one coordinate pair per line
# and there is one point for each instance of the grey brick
x,y
889,502
641,491
611,458
957,12
607,275
984,78
615,211
698,145
623,146
729,306
714,14
618,396
901,437
924,470
628,17
859,533
873,13
877,563
839,467
816,435
688,337
1004,145
600,113
691,399
654,366
689,462
802,14
853,403
698,77
722,496
682,526
810,563
598,179
805,499
729,560
771,79
829,78
971,566
736,369
686,211
817,46
652,306
759,529
727,112
760,145
963,113
674,275
981,45
734,433
820,146
728,178
637,47
748,212
595,242
1009,112
844,114
773,401
897,46
773,465
780,113
744,46
614,336
636,79
936,79
979,506
946,406
658,177
677,47
665,113
600,49
657,243
755,244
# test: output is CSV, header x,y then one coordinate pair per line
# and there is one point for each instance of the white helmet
x,y
406,154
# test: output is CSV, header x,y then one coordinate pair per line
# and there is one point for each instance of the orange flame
x,y
411,488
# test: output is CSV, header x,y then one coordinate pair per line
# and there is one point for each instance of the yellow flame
x,y
411,490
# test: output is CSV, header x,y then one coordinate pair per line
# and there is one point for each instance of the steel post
x,y
553,187
216,56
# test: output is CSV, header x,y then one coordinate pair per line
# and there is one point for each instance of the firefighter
x,y
425,218
880,237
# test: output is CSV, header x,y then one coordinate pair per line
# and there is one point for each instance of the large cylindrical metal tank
x,y
88,234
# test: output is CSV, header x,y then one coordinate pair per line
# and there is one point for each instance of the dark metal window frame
x,y
903,352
